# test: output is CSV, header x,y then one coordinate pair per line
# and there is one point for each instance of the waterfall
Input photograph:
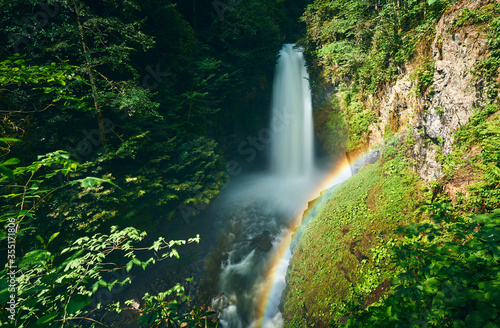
x,y
255,211
292,148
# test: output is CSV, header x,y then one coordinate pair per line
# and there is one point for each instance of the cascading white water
x,y
292,149
256,210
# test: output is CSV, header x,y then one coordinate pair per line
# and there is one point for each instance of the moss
x,y
342,256
344,259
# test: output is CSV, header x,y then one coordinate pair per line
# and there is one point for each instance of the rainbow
x,y
264,305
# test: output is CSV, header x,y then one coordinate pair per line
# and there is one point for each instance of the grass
x,y
349,249
342,256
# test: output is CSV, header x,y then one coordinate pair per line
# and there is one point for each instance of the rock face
x,y
369,158
432,118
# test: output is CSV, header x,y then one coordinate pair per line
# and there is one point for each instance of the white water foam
x,y
258,208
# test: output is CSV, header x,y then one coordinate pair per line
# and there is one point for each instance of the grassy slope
x,y
342,253
349,252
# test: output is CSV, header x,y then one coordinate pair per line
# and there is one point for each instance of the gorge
x,y
253,163
264,206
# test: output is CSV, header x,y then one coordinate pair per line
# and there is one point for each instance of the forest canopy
x,y
119,116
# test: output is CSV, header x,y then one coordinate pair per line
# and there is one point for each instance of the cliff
x,y
456,90
394,245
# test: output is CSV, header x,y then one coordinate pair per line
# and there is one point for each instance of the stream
x,y
256,213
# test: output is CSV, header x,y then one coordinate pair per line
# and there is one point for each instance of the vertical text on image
x,y
11,260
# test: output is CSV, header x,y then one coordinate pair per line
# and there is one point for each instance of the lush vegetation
x,y
117,118
385,222
385,248
361,46
448,264
351,231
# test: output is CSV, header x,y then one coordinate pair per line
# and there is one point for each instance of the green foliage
x,y
423,76
361,46
449,275
200,101
247,40
330,125
186,167
359,121
56,289
343,254
26,189
49,83
5,171
95,43
477,16
487,69
365,43
26,186
170,171
161,311
476,154
51,79
410,136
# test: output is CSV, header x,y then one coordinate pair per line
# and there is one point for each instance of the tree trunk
x,y
100,121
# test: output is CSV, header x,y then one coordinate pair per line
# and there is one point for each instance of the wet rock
x,y
262,242
370,158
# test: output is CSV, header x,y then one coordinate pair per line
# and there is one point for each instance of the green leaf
x,y
4,291
40,239
89,182
95,287
27,292
36,257
6,172
47,318
431,285
130,264
66,265
77,303
11,161
493,295
54,235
